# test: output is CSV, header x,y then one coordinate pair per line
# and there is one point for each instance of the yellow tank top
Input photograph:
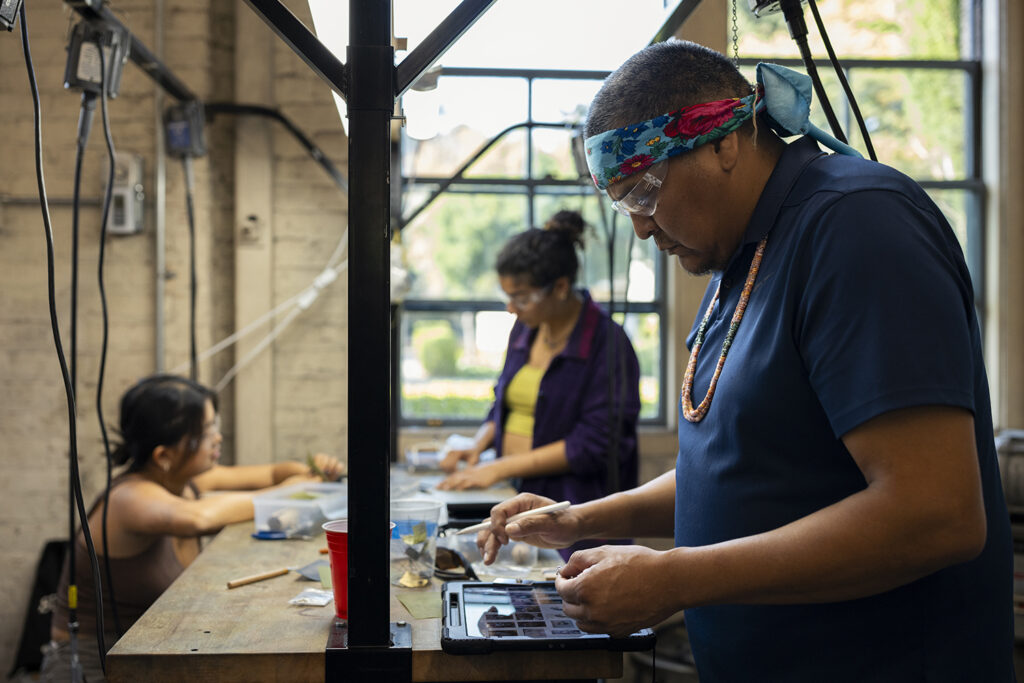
x,y
521,399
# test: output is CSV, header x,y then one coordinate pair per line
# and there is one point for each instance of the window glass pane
x,y
954,206
916,117
916,29
450,362
605,225
506,158
455,126
644,332
563,99
540,34
552,155
451,246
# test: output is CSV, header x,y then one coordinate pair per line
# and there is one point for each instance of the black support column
x,y
371,70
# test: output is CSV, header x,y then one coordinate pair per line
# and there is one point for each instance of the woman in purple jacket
x,y
565,408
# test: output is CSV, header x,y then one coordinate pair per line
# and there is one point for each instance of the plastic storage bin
x,y
300,509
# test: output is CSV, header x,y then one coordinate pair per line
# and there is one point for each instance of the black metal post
x,y
371,98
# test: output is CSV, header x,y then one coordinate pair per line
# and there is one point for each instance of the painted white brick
x,y
308,218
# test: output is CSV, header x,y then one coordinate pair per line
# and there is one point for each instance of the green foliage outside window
x,y
438,349
456,241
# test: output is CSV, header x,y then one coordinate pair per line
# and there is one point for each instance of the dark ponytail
x,y
545,255
160,410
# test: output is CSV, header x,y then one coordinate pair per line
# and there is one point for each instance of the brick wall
x,y
308,359
309,374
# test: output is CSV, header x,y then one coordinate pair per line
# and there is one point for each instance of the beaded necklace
x,y
697,414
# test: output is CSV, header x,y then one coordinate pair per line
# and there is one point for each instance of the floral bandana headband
x,y
619,153
783,94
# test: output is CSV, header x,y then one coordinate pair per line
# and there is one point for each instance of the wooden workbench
x,y
198,630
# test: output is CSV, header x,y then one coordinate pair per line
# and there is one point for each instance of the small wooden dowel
x,y
235,583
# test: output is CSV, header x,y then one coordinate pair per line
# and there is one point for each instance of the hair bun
x,y
569,222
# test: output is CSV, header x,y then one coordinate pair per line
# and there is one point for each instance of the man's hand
x,y
555,530
616,589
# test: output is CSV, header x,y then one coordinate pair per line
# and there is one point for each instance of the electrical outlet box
x,y
82,71
184,125
127,198
8,13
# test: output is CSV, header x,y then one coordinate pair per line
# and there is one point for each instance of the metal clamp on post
x,y
379,663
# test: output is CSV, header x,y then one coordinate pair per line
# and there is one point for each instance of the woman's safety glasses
x,y
521,300
643,198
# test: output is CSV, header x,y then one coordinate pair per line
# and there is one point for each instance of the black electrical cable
x,y
612,454
190,209
613,425
213,108
794,13
620,416
103,347
842,80
65,375
629,264
84,126
620,403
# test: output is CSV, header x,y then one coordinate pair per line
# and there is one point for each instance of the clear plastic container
x,y
299,510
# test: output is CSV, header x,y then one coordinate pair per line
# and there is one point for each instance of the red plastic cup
x,y
337,550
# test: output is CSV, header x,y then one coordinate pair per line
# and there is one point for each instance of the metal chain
x,y
735,38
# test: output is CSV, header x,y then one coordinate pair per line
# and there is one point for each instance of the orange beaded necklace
x,y
697,414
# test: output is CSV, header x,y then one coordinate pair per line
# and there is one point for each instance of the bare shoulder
x,y
139,490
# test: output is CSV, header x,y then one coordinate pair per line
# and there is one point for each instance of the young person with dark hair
x,y
170,444
836,501
553,413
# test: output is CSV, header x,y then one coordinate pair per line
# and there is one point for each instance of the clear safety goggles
x,y
642,200
524,299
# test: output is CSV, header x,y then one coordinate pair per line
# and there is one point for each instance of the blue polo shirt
x,y
863,305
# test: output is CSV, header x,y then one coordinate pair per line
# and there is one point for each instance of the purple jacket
x,y
573,405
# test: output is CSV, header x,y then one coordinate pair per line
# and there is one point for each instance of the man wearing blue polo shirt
x,y
836,502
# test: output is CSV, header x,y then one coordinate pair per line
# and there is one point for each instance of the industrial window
x,y
468,184
915,70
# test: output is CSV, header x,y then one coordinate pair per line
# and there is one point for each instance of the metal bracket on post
x,y
381,664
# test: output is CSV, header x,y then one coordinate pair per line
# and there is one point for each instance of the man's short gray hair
x,y
662,78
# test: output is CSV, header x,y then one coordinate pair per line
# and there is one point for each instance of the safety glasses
x,y
523,300
642,200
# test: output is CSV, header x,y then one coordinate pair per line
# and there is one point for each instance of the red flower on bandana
x,y
636,164
691,122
